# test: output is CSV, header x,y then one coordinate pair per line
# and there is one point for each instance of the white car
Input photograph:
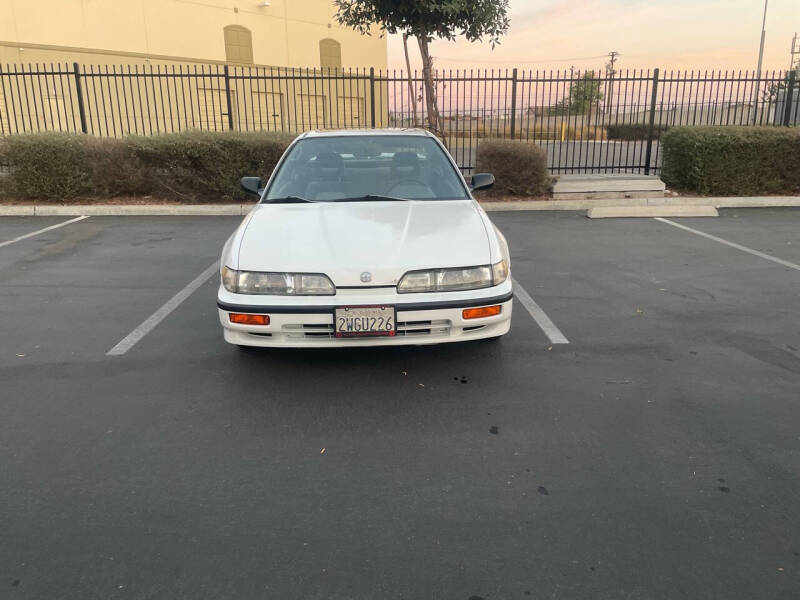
x,y
365,238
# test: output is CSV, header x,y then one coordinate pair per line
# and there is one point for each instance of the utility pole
x,y
612,58
794,61
760,61
610,72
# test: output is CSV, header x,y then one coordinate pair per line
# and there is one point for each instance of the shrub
x,y
184,167
634,131
520,169
207,166
114,169
47,165
727,161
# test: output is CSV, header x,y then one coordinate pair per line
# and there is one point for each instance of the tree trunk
x,y
434,119
412,96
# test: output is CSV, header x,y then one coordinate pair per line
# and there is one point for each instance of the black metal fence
x,y
586,121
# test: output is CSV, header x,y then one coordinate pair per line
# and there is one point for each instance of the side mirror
x,y
481,181
252,185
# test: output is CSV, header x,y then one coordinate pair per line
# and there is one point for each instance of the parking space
x,y
73,290
656,455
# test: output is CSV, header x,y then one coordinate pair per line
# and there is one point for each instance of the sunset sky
x,y
679,34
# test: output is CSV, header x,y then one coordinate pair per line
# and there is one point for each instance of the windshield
x,y
328,169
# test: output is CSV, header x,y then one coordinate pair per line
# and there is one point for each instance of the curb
x,y
99,210
18,211
584,204
25,210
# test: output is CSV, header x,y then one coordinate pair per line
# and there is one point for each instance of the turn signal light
x,y
245,319
479,313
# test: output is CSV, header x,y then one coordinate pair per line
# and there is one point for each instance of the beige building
x,y
285,33
111,38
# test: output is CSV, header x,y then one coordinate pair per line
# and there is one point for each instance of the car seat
x,y
406,180
328,179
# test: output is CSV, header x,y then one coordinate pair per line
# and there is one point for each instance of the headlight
x,y
499,272
229,280
277,284
453,280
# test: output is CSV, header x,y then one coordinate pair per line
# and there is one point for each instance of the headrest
x,y
405,159
329,164
405,164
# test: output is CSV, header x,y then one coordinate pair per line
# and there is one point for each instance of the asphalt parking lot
x,y
654,456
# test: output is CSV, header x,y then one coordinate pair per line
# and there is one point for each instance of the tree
x,y
772,91
583,94
412,97
426,20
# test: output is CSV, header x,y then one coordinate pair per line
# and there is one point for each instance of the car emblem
x,y
366,277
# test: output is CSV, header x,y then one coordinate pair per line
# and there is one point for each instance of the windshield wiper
x,y
373,198
289,200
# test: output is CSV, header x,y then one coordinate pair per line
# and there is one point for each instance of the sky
x,y
670,34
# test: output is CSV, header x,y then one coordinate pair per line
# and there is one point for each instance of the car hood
x,y
346,239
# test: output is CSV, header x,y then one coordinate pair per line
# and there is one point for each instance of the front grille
x,y
423,328
404,328
300,331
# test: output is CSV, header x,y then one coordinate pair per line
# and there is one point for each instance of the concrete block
x,y
596,186
607,195
609,183
612,212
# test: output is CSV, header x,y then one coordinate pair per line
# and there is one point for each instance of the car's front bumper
x,y
421,318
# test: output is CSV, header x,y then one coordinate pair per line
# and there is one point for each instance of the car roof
x,y
365,132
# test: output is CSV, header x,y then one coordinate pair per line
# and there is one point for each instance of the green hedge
x,y
183,167
634,131
732,161
520,168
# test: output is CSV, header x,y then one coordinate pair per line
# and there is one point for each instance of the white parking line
x,y
774,259
40,231
552,332
130,340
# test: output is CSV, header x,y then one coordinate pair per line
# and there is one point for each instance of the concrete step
x,y
607,186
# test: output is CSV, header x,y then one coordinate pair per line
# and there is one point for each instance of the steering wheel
x,y
416,182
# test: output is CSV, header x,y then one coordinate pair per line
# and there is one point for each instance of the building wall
x,y
287,33
147,38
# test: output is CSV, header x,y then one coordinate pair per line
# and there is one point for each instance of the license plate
x,y
365,321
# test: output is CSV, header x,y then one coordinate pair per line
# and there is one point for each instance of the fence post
x,y
788,99
228,96
79,92
513,103
649,153
372,96
3,93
